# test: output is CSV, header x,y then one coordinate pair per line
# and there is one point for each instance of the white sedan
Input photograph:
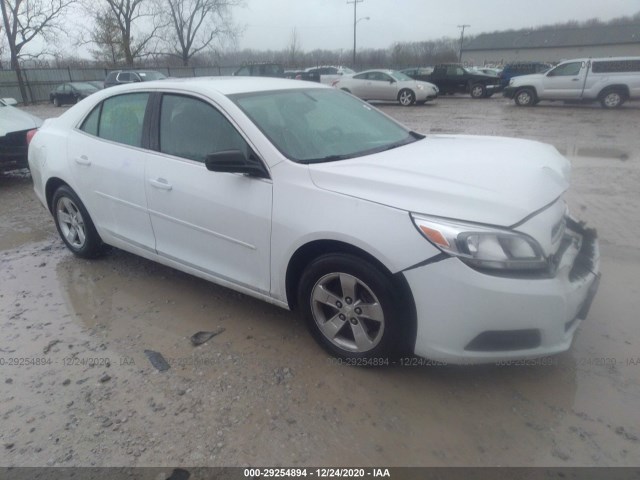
x,y
455,248
387,85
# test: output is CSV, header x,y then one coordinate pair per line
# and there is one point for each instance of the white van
x,y
611,81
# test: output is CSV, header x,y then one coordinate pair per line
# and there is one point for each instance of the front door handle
x,y
575,79
161,184
83,160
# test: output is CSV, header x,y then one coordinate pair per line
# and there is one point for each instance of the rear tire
x,y
56,102
612,99
352,309
75,225
525,98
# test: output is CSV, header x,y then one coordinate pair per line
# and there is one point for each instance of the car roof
x,y
383,70
222,85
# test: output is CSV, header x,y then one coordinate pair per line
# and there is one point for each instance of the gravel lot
x,y
263,393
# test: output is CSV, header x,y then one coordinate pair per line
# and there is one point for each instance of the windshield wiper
x,y
328,158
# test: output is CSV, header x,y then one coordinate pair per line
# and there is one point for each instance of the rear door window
x,y
122,118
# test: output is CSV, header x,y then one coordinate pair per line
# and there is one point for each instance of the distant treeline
x,y
400,54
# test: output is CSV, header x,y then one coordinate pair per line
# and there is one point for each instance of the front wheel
x,y
75,225
56,102
352,308
525,98
406,97
478,91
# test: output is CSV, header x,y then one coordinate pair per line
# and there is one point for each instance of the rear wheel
x,y
406,97
612,99
525,98
352,308
56,102
75,225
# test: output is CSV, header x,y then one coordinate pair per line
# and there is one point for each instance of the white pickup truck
x,y
611,81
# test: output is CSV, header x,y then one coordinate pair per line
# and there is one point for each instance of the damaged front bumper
x,y
468,316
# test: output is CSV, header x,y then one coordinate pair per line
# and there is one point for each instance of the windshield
x,y
401,77
83,86
148,76
321,125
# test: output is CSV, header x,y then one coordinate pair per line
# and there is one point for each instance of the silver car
x,y
387,85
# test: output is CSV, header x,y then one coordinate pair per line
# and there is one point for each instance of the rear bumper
x,y
467,316
13,155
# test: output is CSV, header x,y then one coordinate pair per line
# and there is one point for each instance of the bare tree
x,y
194,25
129,15
107,39
25,20
295,48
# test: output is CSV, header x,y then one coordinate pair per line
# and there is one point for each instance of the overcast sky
x,y
328,24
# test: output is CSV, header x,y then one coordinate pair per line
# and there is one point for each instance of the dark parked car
x,y
71,92
99,84
260,70
454,78
14,127
521,68
118,77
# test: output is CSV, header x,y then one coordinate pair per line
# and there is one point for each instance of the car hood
x,y
520,79
424,84
491,180
14,120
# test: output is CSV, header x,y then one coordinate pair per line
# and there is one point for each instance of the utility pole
x,y
355,22
461,40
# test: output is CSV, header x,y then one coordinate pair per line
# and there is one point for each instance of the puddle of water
x,y
601,152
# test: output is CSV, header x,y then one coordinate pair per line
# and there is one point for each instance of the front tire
x,y
406,97
525,98
75,225
351,308
56,102
478,91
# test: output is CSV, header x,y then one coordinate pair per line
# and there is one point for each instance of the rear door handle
x,y
575,79
83,160
161,184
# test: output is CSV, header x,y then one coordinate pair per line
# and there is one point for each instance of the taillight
x,y
298,77
30,135
334,83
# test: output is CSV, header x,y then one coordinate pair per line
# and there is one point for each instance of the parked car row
x,y
73,92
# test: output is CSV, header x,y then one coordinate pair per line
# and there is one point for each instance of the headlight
x,y
482,247
420,87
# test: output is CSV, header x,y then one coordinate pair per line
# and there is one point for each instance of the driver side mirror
x,y
235,161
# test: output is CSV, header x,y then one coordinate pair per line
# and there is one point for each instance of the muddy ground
x,y
263,393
